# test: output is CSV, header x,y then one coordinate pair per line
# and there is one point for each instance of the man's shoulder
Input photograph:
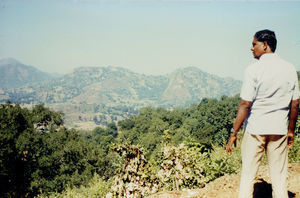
x,y
283,60
252,67
273,60
287,65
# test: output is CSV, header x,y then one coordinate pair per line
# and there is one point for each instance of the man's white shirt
x,y
270,84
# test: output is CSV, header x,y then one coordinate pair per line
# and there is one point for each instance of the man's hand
x,y
243,111
231,141
290,139
294,108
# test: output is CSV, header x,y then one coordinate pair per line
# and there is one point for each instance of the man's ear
x,y
266,46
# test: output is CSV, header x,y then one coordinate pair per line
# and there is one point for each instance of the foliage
x,y
175,149
189,165
182,167
221,163
43,116
106,136
97,187
64,159
132,181
13,124
294,152
39,154
207,123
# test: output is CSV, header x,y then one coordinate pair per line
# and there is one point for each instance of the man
x,y
269,107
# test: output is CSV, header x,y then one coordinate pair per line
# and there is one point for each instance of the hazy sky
x,y
146,36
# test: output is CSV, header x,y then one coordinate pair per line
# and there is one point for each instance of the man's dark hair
x,y
267,36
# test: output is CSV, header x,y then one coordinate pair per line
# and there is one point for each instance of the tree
x,y
112,129
46,159
13,123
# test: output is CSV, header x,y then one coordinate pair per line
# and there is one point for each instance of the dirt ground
x,y
228,185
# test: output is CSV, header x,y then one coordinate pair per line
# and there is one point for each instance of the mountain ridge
x,y
88,91
14,74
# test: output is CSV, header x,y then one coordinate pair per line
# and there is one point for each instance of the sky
x,y
153,37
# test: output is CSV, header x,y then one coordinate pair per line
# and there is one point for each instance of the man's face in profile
x,y
258,48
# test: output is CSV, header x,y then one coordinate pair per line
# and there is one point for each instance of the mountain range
x,y
105,94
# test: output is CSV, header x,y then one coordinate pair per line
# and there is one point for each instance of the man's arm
x,y
243,110
294,108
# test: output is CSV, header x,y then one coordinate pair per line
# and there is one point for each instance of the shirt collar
x,y
268,56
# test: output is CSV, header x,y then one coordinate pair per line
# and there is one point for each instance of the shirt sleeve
x,y
248,91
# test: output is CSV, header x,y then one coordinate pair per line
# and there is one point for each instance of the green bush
x,y
38,154
294,152
97,187
187,166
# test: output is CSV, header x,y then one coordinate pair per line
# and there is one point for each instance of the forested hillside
x,y
114,86
155,150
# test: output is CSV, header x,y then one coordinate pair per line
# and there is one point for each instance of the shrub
x,y
96,188
294,152
189,165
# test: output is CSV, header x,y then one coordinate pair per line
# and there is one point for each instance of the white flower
x,y
109,195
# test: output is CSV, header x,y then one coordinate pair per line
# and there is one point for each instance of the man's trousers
x,y
252,149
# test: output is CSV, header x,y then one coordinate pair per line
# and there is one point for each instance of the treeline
x,y
206,123
103,115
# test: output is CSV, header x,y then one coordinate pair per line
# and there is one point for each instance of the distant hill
x,y
190,85
104,94
14,74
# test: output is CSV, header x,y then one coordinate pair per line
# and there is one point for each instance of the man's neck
x,y
270,52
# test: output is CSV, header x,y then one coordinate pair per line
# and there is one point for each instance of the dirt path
x,y
228,185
